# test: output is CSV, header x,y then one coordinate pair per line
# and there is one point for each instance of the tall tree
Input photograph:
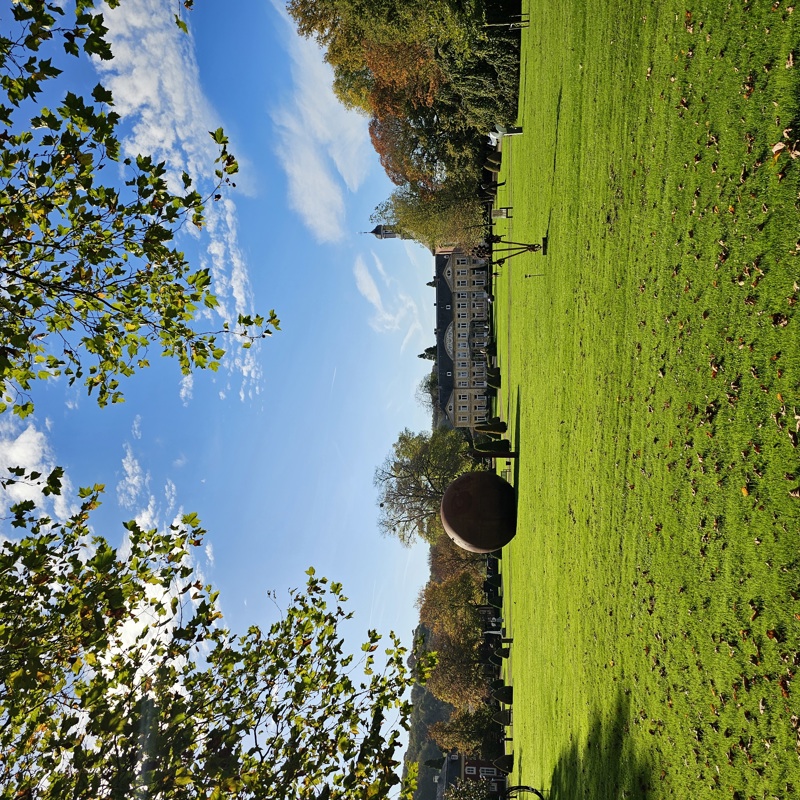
x,y
466,731
446,560
91,276
413,478
427,394
449,214
429,353
118,680
449,607
457,678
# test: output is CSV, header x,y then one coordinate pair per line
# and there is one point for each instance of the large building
x,y
462,336
458,767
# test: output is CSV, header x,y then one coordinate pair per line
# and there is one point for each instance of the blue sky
x,y
276,451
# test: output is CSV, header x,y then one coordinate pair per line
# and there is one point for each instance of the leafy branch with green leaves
x,y
118,679
90,276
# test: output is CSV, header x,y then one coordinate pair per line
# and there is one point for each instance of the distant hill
x,y
427,710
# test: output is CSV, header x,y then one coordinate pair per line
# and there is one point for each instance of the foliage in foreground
x,y
91,278
117,679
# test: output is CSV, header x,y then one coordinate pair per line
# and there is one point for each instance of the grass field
x,y
651,379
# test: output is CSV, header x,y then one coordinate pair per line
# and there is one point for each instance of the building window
x,y
462,335
478,282
462,314
481,418
463,325
449,374
463,408
461,305
462,418
463,385
463,374
461,283
469,770
463,396
488,771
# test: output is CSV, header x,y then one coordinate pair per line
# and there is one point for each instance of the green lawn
x,y
651,379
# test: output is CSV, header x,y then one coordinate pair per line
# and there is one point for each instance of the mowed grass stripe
x,y
651,384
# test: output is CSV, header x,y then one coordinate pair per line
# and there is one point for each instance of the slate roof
x,y
444,318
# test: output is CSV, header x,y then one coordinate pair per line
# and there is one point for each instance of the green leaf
x,y
102,95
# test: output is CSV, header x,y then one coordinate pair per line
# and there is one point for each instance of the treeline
x,y
449,608
433,77
453,710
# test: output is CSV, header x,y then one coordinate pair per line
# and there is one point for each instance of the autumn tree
x,y
446,560
450,607
413,478
449,214
457,678
467,731
118,678
92,278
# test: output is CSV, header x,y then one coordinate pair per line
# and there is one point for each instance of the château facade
x,y
462,336
462,331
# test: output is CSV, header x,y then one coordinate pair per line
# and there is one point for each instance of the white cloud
x,y
148,518
134,480
392,311
24,445
187,388
170,494
323,147
136,428
155,82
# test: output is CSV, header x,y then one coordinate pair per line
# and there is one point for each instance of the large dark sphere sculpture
x,y
479,512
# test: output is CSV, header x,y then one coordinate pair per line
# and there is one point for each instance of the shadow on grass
x,y
605,765
515,443
555,155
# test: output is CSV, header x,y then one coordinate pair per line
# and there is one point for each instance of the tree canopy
x,y
433,79
92,278
117,678
413,478
452,214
